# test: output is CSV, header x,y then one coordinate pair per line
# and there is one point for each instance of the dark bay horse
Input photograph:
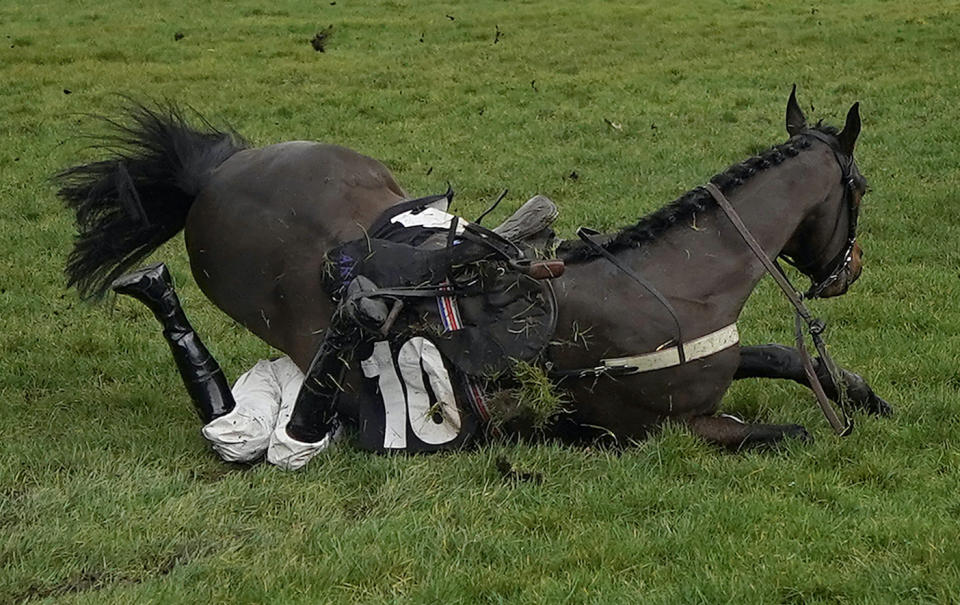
x,y
259,221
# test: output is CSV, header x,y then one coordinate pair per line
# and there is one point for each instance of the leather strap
x,y
698,348
587,236
844,427
771,266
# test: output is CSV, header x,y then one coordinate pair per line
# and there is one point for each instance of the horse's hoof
x,y
797,431
879,407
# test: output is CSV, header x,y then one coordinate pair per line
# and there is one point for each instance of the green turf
x,y
108,493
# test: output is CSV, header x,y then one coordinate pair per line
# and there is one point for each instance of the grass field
x,y
109,495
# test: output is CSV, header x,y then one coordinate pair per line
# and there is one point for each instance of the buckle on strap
x,y
816,326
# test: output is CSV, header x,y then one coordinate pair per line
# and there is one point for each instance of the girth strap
x,y
698,348
814,326
668,357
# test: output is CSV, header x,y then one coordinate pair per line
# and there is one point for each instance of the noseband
x,y
842,261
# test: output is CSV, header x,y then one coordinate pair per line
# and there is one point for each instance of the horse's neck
x,y
772,204
704,267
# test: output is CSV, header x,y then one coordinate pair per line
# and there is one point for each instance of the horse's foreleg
x,y
779,361
735,434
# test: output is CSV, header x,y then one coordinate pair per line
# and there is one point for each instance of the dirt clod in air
x,y
320,39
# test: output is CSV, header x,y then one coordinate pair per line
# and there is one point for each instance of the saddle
x,y
438,306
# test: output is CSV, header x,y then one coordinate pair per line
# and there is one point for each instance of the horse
x,y
258,223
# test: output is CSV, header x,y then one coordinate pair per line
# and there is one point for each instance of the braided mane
x,y
682,209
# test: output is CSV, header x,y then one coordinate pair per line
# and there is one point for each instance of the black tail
x,y
128,205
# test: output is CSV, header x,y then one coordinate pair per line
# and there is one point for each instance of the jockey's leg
x,y
244,434
200,372
308,421
238,423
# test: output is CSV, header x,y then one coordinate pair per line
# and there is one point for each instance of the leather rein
x,y
815,326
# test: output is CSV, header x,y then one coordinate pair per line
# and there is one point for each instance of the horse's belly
x,y
630,405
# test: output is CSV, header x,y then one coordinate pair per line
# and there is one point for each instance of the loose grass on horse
x,y
259,221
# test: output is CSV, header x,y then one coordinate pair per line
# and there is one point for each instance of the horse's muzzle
x,y
849,275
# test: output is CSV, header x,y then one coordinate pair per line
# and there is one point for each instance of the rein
x,y
587,236
815,326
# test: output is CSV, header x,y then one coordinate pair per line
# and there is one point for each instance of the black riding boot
x,y
314,414
200,371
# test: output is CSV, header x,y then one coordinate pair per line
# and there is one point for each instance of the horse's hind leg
x,y
735,434
779,361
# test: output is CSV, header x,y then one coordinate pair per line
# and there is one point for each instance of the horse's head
x,y
825,247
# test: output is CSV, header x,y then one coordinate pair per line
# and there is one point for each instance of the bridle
x,y
842,261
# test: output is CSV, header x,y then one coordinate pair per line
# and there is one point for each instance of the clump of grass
x,y
534,401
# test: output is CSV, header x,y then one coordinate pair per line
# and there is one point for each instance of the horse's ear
x,y
851,130
796,122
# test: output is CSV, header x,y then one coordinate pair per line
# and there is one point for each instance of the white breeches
x,y
265,397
